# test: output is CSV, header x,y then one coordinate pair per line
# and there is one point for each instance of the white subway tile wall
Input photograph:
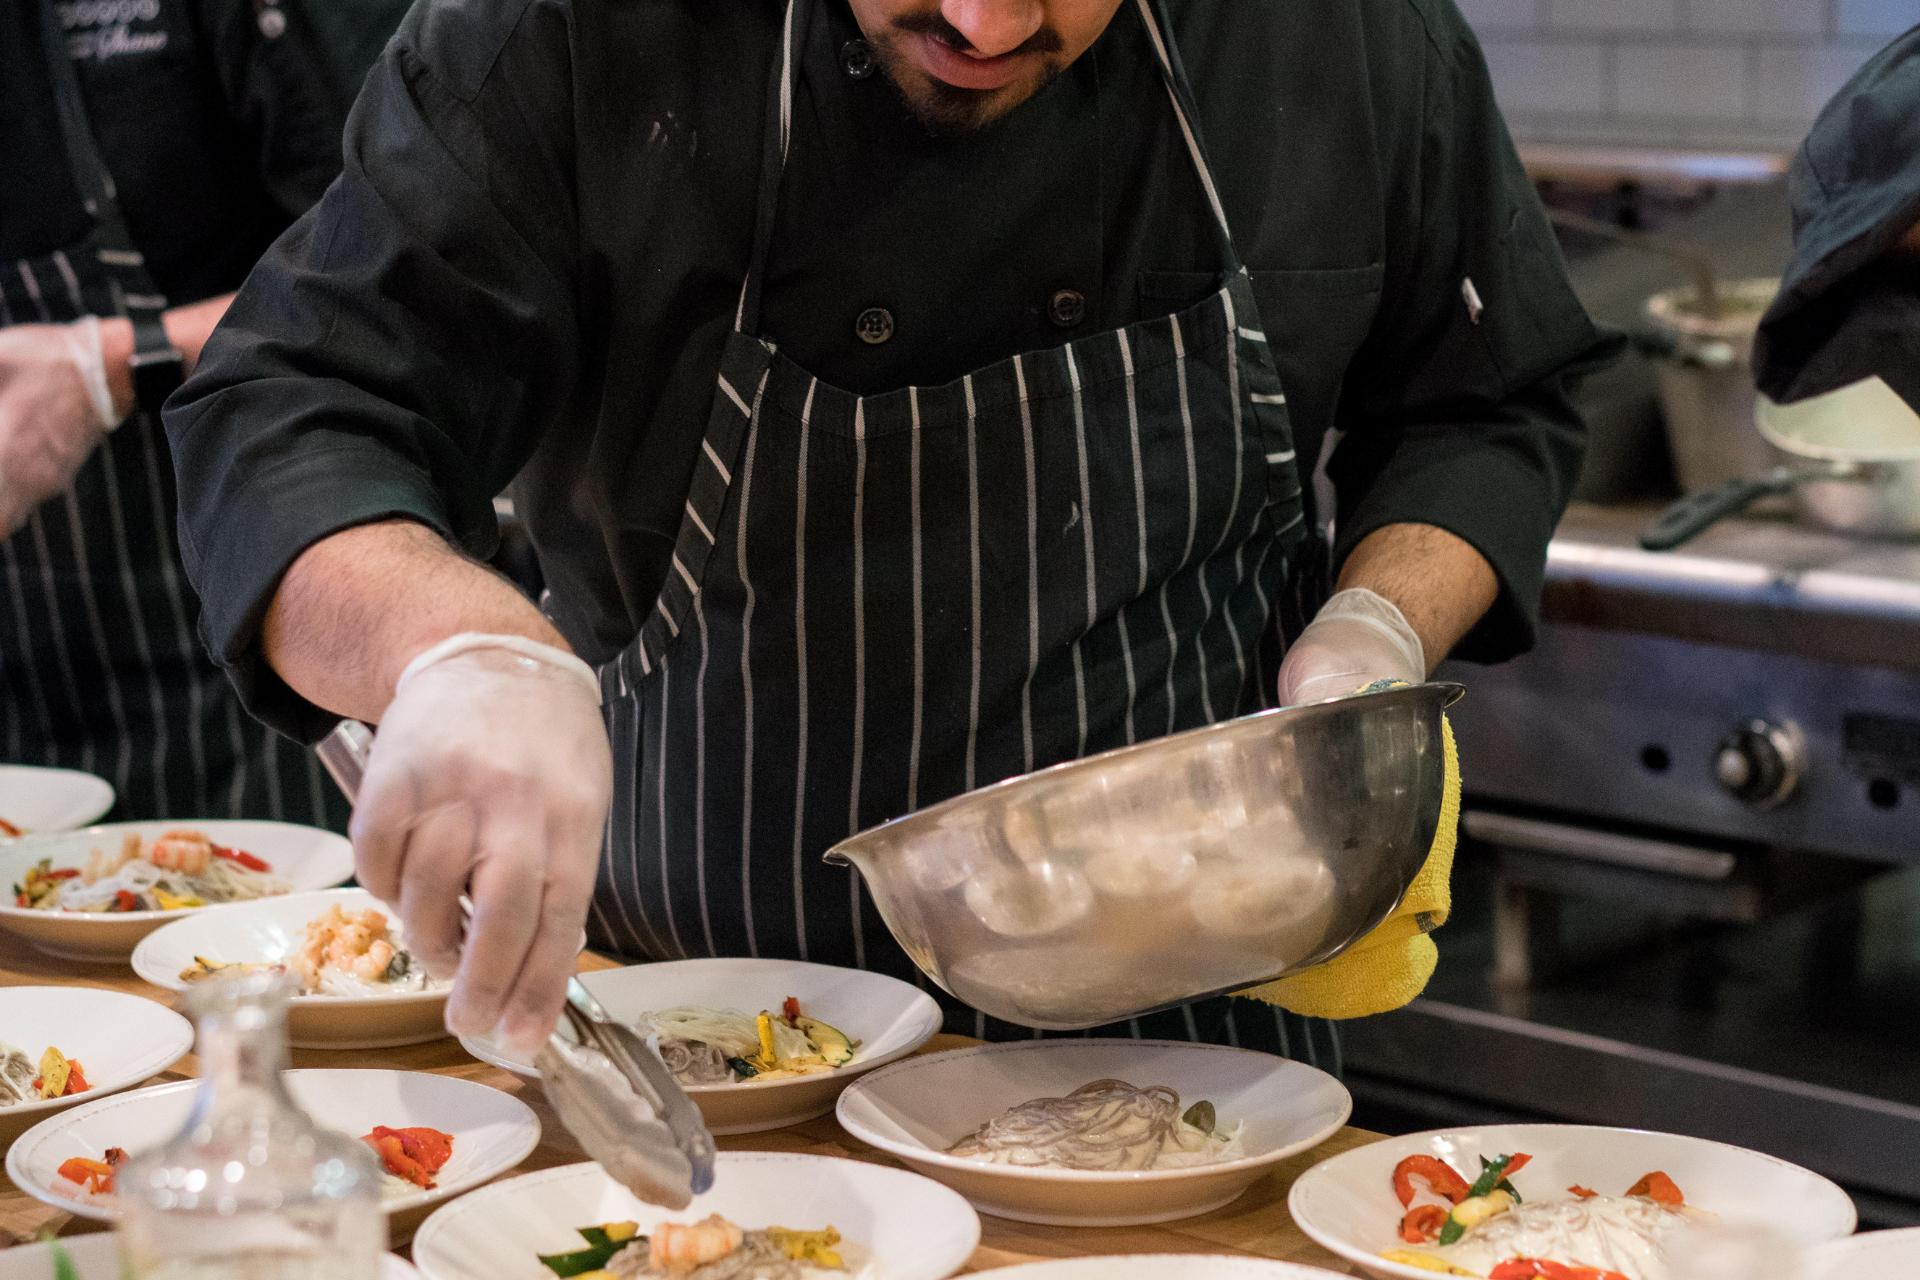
x,y
1695,73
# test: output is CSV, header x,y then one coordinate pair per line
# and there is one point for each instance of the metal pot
x,y
1857,468
1704,364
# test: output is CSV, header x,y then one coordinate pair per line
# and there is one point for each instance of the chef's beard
x,y
948,110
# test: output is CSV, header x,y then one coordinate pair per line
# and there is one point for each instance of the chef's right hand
x,y
55,409
491,776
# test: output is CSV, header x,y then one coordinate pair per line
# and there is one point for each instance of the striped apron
x,y
878,602
100,665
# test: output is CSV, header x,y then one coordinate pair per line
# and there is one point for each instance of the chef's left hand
x,y
54,410
1358,637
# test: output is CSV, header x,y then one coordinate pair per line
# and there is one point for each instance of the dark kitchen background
x,y
1690,891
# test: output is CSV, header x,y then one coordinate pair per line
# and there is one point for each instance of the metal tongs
x,y
608,1085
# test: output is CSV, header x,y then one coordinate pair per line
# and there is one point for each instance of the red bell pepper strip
x,y
8,829
94,1175
413,1154
1435,1172
242,857
791,1010
1659,1188
123,900
1529,1268
76,1081
1422,1225
1580,1192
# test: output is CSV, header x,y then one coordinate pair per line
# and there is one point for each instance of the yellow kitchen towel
x,y
1390,966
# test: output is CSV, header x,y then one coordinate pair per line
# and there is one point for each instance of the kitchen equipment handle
x,y
1695,513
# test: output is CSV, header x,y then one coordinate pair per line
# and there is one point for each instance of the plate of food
x,y
792,1217
62,1046
1872,1255
435,1137
758,1044
33,800
360,987
93,894
94,1257
1573,1202
1166,1266
1095,1133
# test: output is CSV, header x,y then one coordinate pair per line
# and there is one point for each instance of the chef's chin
x,y
949,109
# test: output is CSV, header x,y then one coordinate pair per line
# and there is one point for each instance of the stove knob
x,y
1760,763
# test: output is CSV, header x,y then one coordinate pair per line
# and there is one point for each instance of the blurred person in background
x,y
153,149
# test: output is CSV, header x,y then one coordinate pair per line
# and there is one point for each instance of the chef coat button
x,y
856,58
273,23
874,326
1067,308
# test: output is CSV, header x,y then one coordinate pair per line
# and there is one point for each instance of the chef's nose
x,y
994,27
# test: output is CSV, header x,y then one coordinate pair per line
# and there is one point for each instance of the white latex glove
x,y
54,410
491,776
1358,637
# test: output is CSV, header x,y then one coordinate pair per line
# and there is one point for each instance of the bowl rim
x,y
1413,1143
847,1072
97,785
163,1053
443,1216
1087,1177
416,1199
173,983
96,919
840,855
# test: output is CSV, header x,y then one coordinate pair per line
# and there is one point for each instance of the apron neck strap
x,y
779,139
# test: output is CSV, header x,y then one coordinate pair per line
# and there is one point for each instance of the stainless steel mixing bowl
x,y
1209,861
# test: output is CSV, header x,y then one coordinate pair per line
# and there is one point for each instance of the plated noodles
x,y
1106,1126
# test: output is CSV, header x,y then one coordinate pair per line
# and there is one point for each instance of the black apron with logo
x,y
101,668
878,602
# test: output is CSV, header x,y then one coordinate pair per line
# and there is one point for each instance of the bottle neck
x,y
243,1050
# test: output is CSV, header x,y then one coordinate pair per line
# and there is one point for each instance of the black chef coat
x,y
217,135
535,251
1846,310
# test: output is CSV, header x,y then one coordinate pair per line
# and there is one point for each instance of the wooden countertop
x,y
1256,1224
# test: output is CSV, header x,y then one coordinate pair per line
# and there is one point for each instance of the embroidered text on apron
x,y
101,668
878,602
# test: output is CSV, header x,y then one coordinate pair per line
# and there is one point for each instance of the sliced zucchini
x,y
836,1050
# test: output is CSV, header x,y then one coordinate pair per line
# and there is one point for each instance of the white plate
x,y
119,1040
305,857
912,1228
492,1131
36,799
1166,1266
1346,1204
271,929
94,1257
1874,1255
915,1110
889,1018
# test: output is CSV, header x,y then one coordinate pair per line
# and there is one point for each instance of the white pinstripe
x,y
1186,126
183,633
726,476
37,527
1140,515
660,805
973,575
1086,533
129,588
801,692
919,615
90,603
655,943
746,687
859,759
1033,567
700,777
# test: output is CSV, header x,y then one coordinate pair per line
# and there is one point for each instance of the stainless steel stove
x,y
1689,897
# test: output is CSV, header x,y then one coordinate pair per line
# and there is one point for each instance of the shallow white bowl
x,y
94,1257
1166,1266
889,1018
39,800
492,1132
271,929
119,1041
305,857
915,1110
1346,1204
1873,1255
914,1229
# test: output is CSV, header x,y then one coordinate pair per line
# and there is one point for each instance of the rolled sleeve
x,y
397,354
1458,411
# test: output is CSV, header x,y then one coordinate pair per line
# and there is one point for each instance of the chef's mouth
x,y
950,66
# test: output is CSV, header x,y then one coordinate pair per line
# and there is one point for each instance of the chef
x,y
152,149
903,394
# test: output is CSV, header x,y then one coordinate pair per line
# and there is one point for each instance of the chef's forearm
x,y
1439,581
356,607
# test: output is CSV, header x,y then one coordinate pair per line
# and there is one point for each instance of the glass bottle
x,y
251,1188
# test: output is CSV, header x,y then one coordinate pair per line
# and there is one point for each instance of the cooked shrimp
x,y
373,965
359,944
187,852
100,866
682,1248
